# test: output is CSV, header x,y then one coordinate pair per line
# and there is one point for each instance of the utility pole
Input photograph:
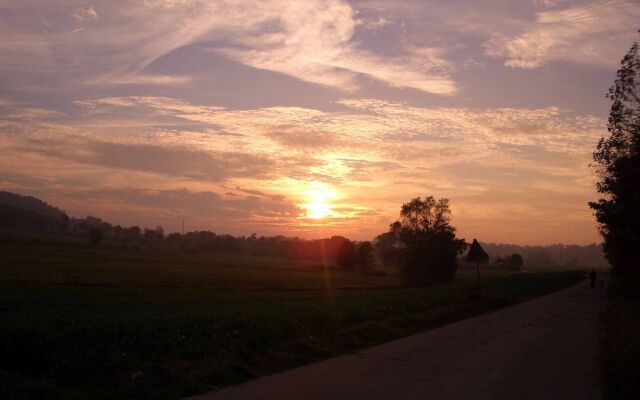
x,y
182,226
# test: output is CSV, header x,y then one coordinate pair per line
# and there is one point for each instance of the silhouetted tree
x,y
365,255
118,231
618,165
64,222
95,236
133,232
154,235
385,247
558,254
346,257
173,239
514,261
429,244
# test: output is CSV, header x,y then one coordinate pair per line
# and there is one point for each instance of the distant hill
x,y
27,212
30,203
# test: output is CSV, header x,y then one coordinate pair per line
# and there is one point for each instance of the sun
x,y
318,196
318,209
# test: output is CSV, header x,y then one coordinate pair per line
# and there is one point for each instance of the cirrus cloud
x,y
311,41
580,33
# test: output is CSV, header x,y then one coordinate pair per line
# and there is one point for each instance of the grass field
x,y
79,322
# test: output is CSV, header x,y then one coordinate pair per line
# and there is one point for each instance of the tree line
x,y
422,236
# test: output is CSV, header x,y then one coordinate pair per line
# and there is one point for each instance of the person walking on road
x,y
593,276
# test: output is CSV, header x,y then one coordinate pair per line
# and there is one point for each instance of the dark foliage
x,y
510,262
365,256
346,256
620,346
16,217
154,235
514,261
617,159
386,249
428,242
30,213
571,255
95,236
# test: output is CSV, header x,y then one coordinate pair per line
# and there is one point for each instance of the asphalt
x,y
545,348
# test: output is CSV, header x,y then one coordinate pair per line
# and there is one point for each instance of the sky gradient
x,y
311,118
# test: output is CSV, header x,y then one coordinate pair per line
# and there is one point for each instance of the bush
x,y
514,261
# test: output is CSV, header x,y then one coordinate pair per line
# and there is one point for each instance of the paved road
x,y
545,348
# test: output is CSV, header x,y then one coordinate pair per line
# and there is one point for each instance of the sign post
x,y
478,255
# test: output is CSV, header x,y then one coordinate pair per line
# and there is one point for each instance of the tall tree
x,y
429,244
364,253
617,159
346,256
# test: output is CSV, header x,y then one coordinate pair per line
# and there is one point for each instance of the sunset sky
x,y
311,118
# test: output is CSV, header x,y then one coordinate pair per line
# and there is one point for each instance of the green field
x,y
79,322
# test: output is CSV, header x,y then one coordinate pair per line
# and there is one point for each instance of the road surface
x,y
545,348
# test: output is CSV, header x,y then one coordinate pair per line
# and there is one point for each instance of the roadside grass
x,y
620,347
81,323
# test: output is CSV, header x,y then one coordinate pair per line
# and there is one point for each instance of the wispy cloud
x,y
171,161
83,13
311,41
372,154
580,33
378,129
